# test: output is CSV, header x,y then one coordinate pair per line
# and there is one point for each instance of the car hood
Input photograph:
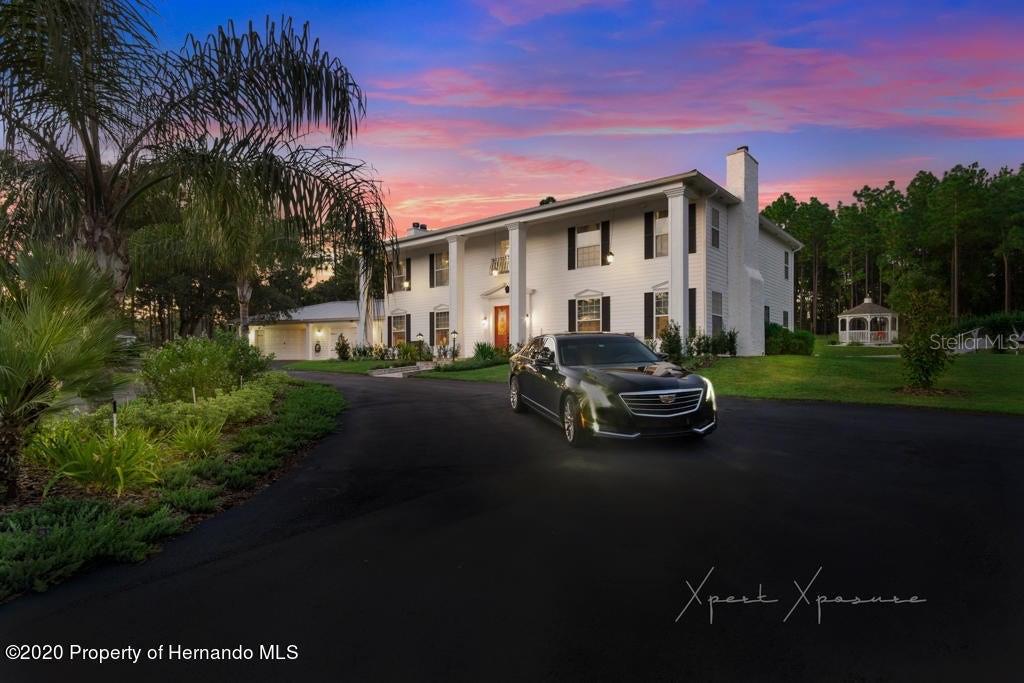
x,y
642,378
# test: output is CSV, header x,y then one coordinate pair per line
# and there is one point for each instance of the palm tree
x,y
101,116
58,338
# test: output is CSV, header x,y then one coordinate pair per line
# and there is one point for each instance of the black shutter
x,y
572,248
692,220
572,315
430,339
408,276
408,327
606,314
648,315
692,313
431,272
649,235
606,241
390,332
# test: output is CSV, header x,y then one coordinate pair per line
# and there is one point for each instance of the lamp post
x,y
455,339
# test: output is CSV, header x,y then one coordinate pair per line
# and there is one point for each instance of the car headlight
x,y
711,398
597,396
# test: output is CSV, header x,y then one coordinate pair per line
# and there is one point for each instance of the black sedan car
x,y
609,385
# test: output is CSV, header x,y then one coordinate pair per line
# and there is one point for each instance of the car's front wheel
x,y
575,432
515,398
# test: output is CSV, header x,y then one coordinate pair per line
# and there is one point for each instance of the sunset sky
x,y
481,107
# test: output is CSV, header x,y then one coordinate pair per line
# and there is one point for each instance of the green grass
x,y
989,382
495,373
355,367
852,374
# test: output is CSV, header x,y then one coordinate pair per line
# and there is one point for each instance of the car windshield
x,y
604,351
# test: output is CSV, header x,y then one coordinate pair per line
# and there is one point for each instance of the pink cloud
x,y
451,87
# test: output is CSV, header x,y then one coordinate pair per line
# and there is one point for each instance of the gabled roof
x,y
869,307
331,310
694,179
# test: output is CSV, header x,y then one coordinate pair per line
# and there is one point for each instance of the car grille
x,y
669,403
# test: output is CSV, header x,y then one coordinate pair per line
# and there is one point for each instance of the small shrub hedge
x,y
43,545
102,461
472,364
779,340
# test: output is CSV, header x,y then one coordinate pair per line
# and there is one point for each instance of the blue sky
x,y
481,107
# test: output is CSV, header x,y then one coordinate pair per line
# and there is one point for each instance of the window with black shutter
x,y
572,248
692,228
648,315
692,313
649,235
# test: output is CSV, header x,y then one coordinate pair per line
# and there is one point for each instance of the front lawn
x,y
354,367
494,373
853,374
983,381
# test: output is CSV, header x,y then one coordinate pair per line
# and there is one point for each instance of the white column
x,y
309,341
517,283
456,285
678,257
365,302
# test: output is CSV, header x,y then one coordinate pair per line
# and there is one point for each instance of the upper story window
x,y
660,312
441,269
588,315
692,227
785,265
661,233
716,228
588,245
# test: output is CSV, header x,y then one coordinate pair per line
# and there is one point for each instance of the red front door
x,y
501,326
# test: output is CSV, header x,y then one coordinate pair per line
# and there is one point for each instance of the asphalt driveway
x,y
438,536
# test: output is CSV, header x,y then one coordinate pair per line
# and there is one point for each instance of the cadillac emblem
x,y
667,398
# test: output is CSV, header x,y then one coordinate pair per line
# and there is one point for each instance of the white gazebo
x,y
869,323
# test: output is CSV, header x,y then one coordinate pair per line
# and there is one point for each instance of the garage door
x,y
285,342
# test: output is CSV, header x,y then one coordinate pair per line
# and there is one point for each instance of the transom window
x,y
661,233
716,235
441,327
588,245
441,269
717,318
660,312
588,315
398,335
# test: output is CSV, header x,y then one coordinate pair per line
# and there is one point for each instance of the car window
x,y
549,343
604,351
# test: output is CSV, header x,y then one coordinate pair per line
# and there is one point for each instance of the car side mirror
x,y
546,357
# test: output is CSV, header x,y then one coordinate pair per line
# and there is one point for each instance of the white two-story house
x,y
629,259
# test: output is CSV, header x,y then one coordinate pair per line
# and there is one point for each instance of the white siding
x,y
778,291
421,298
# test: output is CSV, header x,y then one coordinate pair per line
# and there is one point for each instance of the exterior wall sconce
x,y
494,271
419,337
506,288
611,257
405,284
483,321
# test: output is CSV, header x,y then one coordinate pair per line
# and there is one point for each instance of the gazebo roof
x,y
869,307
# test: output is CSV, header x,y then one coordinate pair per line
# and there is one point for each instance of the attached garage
x,y
307,333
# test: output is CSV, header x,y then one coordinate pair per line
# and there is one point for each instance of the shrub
x,y
306,413
484,351
922,304
45,544
672,342
698,344
192,499
129,460
994,325
341,347
245,361
197,438
412,352
471,364
779,340
174,370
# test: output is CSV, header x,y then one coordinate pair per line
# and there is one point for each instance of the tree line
x,y
962,234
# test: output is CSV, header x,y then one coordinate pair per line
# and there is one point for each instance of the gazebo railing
x,y
868,336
